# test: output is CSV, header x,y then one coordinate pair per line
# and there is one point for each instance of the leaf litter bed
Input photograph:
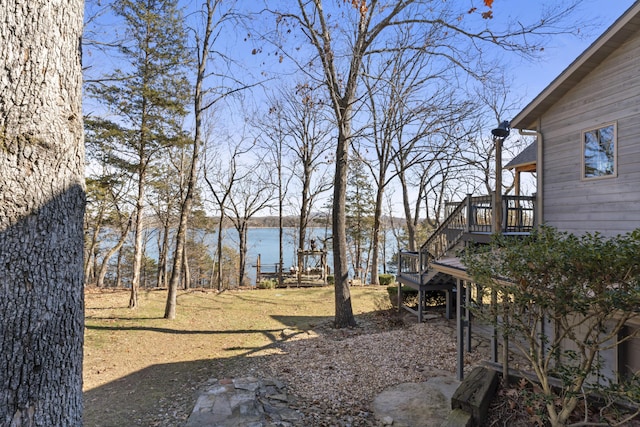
x,y
141,370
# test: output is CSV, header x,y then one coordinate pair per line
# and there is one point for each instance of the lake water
x,y
265,243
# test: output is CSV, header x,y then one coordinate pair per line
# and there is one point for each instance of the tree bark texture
x,y
344,312
375,244
41,213
138,239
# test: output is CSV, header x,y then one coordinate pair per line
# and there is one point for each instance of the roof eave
x,y
519,165
610,40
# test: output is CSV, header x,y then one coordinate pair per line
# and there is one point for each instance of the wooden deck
x,y
468,221
452,266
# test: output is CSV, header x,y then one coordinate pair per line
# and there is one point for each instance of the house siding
x,y
611,93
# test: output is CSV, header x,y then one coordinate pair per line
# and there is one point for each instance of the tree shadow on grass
x,y
182,331
327,293
158,395
163,395
302,322
118,318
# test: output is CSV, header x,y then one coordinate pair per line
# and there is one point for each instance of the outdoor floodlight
x,y
503,130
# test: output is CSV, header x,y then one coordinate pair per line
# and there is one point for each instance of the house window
x,y
599,152
628,352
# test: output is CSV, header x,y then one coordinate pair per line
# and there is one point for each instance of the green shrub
x,y
587,286
407,292
331,280
267,284
386,279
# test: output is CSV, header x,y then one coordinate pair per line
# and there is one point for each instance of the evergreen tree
x,y
147,97
359,210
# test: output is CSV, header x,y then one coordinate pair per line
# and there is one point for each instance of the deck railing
x,y
518,213
472,215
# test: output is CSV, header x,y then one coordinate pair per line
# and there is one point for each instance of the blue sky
x,y
527,79
530,79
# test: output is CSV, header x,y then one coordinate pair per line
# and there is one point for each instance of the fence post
x,y
504,202
258,270
535,209
467,227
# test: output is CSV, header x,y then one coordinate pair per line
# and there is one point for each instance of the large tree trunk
x,y
41,213
138,242
344,311
242,252
375,244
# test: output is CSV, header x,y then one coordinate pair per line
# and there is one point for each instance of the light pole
x,y
499,135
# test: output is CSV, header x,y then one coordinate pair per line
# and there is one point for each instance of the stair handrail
x,y
457,213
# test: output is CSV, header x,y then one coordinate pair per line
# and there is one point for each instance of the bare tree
x,y
342,90
340,40
41,214
216,14
272,139
408,107
297,123
203,48
116,218
496,103
166,184
221,182
252,193
124,227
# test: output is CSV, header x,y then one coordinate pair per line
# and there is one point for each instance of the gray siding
x,y
611,93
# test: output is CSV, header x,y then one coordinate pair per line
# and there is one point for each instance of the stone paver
x,y
244,402
252,402
422,404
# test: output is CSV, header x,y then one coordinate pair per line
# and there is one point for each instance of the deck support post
x,y
448,303
494,332
421,290
470,215
459,331
467,313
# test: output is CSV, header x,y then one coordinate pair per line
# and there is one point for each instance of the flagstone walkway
x,y
252,402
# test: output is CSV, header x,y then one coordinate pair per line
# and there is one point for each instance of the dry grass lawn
x,y
140,369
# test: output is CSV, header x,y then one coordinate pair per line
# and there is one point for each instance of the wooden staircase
x,y
414,267
469,220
